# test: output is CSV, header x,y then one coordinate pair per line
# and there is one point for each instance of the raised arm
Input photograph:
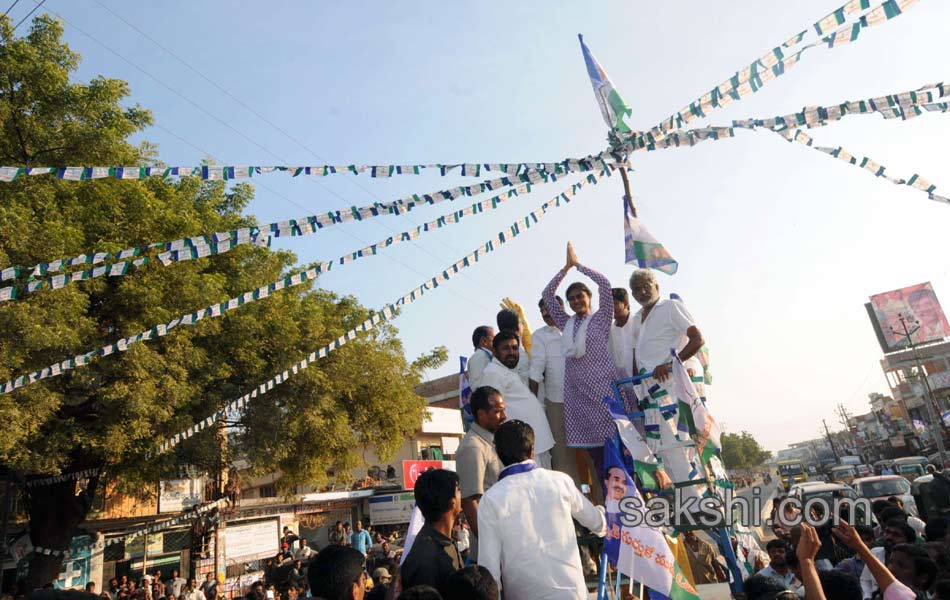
x,y
554,307
605,295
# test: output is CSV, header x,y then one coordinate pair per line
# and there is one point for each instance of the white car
x,y
882,487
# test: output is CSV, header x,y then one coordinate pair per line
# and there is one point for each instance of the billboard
x,y
177,495
247,541
916,303
391,509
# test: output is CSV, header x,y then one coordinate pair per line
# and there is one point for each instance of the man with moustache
x,y
659,327
520,403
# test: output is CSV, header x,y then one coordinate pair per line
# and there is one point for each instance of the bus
x,y
791,472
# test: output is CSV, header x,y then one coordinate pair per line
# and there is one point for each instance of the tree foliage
x,y
115,411
742,451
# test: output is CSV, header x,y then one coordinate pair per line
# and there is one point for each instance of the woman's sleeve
x,y
605,295
554,307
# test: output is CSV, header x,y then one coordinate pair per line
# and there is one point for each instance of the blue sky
x,y
779,246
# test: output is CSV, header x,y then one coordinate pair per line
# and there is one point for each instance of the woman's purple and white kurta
x,y
587,380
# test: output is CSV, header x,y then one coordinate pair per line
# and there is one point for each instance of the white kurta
x,y
527,538
621,346
520,403
547,363
664,329
476,366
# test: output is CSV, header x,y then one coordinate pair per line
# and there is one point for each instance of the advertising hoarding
x,y
917,303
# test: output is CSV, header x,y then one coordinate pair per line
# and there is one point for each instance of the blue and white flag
x,y
465,394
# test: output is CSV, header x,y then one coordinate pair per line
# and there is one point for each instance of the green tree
x,y
114,412
742,451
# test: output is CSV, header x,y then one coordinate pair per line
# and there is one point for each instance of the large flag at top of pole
x,y
611,104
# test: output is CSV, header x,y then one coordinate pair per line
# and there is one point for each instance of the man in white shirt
x,y
509,320
482,340
662,326
547,383
527,538
304,552
621,333
520,403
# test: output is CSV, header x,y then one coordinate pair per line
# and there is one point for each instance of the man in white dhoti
x,y
662,326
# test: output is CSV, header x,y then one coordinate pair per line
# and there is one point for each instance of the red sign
x,y
411,469
918,305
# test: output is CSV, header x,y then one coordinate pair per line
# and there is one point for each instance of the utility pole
x,y
846,421
936,427
831,441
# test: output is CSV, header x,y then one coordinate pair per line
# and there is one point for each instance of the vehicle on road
x,y
843,474
791,472
909,471
864,470
829,492
882,487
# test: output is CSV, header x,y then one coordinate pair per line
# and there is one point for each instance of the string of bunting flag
x,y
218,309
878,170
218,243
389,311
160,526
84,474
229,173
775,63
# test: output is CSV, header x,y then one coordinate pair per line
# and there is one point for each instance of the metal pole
x,y
831,441
936,429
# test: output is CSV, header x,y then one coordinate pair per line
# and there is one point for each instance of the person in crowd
x,y
527,539
379,592
175,584
304,552
285,553
337,573
520,403
91,587
913,521
940,555
778,566
191,591
290,538
292,592
546,381
207,584
472,583
702,560
938,530
912,566
621,333
420,592
854,565
659,327
885,580
510,320
338,536
460,536
381,575
360,539
482,340
433,556
589,370
295,576
896,531
475,459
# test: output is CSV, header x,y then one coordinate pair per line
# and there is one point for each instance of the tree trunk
x,y
55,514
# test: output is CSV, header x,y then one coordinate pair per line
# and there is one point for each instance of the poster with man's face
x,y
617,485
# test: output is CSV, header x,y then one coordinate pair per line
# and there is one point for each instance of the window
x,y
268,491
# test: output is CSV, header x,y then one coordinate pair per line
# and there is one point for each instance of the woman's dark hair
x,y
577,285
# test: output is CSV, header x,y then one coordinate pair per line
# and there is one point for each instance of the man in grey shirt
x,y
476,462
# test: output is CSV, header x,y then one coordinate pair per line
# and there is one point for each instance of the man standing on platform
x,y
475,459
482,340
547,383
662,326
520,403
621,333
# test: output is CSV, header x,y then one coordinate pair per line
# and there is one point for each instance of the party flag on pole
x,y
465,394
704,430
645,463
641,248
611,104
638,549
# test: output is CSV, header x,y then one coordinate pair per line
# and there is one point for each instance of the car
x,y
880,465
804,484
882,487
911,460
863,470
910,471
829,492
843,473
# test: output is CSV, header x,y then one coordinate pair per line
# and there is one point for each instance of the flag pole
x,y
602,583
